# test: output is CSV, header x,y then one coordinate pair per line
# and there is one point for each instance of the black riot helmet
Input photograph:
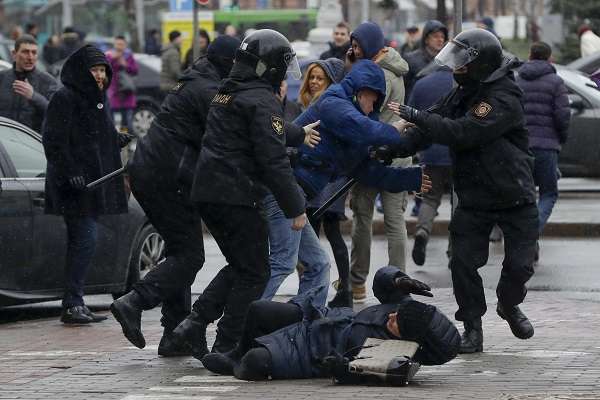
x,y
270,54
477,49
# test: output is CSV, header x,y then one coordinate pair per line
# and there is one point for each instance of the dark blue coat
x,y
346,136
546,105
297,349
426,92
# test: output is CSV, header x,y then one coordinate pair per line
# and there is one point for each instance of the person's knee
x,y
256,365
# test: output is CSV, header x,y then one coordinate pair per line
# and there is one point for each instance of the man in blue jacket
x,y
348,113
294,340
548,115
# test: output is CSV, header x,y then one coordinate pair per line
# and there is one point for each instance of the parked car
x,y
33,244
588,64
580,156
148,93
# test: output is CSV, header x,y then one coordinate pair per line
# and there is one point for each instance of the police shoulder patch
x,y
277,124
176,88
482,109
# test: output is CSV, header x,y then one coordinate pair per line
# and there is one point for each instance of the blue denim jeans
x,y
545,175
287,247
81,235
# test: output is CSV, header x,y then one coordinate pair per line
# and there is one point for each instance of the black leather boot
x,y
420,247
472,338
75,315
222,363
518,322
94,317
168,348
191,332
127,310
343,298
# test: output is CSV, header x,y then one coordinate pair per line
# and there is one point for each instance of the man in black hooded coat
x,y
81,145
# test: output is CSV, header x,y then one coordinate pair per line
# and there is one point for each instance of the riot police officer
x,y
243,154
161,174
482,121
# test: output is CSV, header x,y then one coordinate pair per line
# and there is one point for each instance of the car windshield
x,y
579,82
25,152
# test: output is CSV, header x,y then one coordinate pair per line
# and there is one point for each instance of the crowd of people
x,y
230,150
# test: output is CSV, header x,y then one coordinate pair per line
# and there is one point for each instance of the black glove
x,y
383,154
125,139
335,366
409,285
77,182
408,113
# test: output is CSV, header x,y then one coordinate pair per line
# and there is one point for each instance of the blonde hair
x,y
304,93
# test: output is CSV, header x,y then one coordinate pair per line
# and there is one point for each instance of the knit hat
x,y
413,318
333,67
93,56
370,38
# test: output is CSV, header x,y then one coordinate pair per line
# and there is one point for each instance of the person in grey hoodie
x,y
367,42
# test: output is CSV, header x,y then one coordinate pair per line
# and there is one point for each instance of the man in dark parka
x,y
81,145
292,340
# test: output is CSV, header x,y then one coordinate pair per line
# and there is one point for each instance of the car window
x,y
25,152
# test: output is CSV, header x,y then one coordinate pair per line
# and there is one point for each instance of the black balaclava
x,y
221,53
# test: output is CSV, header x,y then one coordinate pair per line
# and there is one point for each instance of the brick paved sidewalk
x,y
42,359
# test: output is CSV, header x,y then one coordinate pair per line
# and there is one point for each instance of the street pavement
x,y
42,359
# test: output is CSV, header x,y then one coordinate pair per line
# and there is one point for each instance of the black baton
x,y
105,178
347,186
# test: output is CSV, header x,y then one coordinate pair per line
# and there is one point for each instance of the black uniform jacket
x,y
244,147
485,129
175,136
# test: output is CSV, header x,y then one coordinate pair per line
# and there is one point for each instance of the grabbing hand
x,y
23,88
312,137
403,111
409,285
426,183
77,182
402,125
299,222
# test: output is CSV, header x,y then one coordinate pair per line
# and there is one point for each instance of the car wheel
x,y
149,251
142,119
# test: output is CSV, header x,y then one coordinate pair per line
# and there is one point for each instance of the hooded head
x,y
76,71
369,37
432,26
221,53
365,74
317,78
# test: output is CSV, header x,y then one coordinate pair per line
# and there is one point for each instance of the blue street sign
x,y
181,5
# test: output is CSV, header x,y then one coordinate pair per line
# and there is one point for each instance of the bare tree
x,y
132,24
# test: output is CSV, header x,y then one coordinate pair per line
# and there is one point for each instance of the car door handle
x,y
39,201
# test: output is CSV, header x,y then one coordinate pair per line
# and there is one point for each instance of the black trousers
x,y
179,225
469,234
243,236
331,226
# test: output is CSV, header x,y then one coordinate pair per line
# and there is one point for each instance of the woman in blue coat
x,y
292,340
349,128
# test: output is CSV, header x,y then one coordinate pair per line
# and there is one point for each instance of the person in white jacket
x,y
590,42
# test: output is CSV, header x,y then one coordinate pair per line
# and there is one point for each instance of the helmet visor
x,y
293,68
455,55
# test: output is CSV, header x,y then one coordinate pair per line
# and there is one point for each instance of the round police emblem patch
x,y
482,109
